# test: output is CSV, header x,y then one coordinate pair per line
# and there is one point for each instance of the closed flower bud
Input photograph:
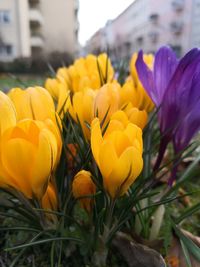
x,y
136,116
132,115
49,200
63,75
28,154
82,186
118,154
136,95
91,72
33,103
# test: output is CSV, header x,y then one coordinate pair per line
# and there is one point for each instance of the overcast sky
x,y
93,15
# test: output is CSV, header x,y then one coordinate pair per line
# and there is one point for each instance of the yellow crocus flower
x,y
33,103
82,186
136,95
136,116
28,154
118,154
91,71
133,115
63,75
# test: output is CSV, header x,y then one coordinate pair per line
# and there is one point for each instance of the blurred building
x,y
148,24
37,27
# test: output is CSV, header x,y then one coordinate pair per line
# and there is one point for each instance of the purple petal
x,y
175,100
146,77
188,127
164,66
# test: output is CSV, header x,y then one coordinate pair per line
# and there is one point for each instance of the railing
x,y
36,40
35,16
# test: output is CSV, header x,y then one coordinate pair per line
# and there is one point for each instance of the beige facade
x,y
149,24
34,27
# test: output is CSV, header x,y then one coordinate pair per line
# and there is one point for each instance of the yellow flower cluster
x,y
111,116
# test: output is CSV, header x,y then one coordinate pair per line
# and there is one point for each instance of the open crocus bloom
x,y
174,86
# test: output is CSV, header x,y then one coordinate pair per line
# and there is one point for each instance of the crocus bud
x,y
33,103
118,154
82,186
28,154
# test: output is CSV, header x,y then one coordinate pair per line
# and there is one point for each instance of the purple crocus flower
x,y
174,87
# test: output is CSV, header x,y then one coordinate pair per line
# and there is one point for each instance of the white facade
x,y
149,24
32,27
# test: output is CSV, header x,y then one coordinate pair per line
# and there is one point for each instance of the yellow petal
x,y
40,98
134,133
18,157
7,113
120,116
44,161
96,138
107,158
120,141
114,125
126,170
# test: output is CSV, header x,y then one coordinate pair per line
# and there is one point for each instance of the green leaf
x,y
44,241
188,212
191,246
25,229
186,254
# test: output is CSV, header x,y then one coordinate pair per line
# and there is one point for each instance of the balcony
x,y
177,27
36,41
33,2
35,17
178,5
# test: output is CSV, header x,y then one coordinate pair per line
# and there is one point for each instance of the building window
x,y
178,5
140,40
4,16
154,18
6,49
177,27
154,36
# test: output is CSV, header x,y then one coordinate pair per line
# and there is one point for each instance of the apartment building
x,y
37,27
149,24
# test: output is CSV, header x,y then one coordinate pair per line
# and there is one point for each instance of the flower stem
x,y
162,149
